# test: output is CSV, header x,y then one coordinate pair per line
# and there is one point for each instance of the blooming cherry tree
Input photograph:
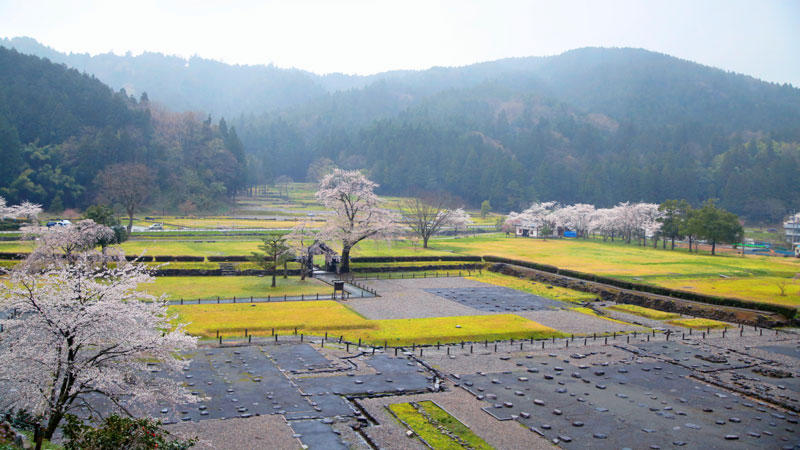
x,y
79,329
66,241
459,219
358,214
26,210
539,216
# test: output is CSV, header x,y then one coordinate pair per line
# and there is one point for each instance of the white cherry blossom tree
x,y
358,213
459,219
26,210
540,216
79,328
65,241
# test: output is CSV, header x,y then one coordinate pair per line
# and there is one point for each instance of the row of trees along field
x,y
60,128
671,220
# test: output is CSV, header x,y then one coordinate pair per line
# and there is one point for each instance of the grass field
x,y
226,287
750,277
698,323
425,418
318,317
535,288
644,312
227,223
593,313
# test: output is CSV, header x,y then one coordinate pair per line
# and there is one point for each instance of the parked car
x,y
59,223
155,227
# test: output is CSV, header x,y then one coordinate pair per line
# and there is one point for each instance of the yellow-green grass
x,y
401,247
221,246
428,429
410,264
698,323
766,289
312,317
644,312
642,264
533,287
593,313
454,329
227,287
318,317
220,223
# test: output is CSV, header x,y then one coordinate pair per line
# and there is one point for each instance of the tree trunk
x,y
285,270
344,267
713,246
673,242
425,241
52,424
274,270
130,220
690,243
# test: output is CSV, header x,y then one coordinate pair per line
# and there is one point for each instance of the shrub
x,y
378,259
120,432
228,258
168,258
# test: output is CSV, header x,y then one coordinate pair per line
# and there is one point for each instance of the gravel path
x,y
238,434
406,299
575,322
644,321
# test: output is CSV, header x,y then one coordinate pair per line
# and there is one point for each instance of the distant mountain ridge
x,y
598,125
588,78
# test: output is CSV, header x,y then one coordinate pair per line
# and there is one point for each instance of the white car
x,y
156,227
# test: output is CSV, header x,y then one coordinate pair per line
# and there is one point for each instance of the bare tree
x,y
318,169
299,240
425,217
127,184
283,182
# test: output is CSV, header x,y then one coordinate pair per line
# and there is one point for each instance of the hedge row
x,y
785,311
381,259
430,267
228,258
171,258
9,255
166,272
143,258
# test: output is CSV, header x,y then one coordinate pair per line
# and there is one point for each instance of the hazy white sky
x,y
756,37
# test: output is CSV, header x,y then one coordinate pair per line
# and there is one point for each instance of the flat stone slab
x,y
634,405
316,434
394,375
497,299
792,350
298,358
695,356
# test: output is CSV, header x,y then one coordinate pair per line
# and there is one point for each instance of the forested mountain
x,y
590,125
196,84
59,128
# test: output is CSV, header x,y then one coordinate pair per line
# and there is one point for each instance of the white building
x,y
791,229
